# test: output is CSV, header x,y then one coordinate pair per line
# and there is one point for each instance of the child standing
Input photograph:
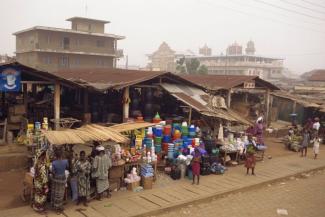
x,y
196,165
316,142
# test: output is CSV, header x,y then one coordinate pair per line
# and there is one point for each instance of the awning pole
x,y
190,116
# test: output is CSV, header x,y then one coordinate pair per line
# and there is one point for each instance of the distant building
x,y
234,49
163,59
5,58
85,45
237,63
205,51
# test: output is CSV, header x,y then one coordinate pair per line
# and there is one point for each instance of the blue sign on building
x,y
9,79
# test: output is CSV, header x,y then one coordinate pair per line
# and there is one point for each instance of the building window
x,y
89,27
48,39
66,43
64,62
47,60
100,43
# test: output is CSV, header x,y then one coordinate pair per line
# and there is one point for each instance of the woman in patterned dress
x,y
40,182
83,169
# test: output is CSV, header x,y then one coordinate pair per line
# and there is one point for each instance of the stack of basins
x,y
166,137
158,133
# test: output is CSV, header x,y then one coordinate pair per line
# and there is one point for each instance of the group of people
x,y
52,179
310,134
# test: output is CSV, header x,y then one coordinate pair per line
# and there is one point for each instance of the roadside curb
x,y
222,194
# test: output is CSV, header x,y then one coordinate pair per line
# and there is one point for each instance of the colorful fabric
x,y
83,172
102,185
101,166
40,186
57,191
250,161
196,168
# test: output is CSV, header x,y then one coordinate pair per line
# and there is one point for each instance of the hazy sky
x,y
298,35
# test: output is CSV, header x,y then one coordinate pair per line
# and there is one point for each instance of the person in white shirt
x,y
316,124
316,142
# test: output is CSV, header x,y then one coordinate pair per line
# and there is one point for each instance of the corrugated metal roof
x,y
217,82
190,101
102,79
202,102
296,98
317,75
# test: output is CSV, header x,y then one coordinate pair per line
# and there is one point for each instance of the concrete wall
x,y
78,42
53,61
88,26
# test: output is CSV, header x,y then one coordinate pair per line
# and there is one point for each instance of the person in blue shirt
x,y
59,166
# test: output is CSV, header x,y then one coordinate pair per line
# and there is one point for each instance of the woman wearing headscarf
x,y
40,182
102,163
83,169
58,181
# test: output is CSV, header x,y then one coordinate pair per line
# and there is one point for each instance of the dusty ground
x,y
10,188
11,182
298,196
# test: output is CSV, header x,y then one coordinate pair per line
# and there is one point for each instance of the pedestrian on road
x,y
83,169
250,155
102,163
305,142
316,142
196,165
40,182
59,166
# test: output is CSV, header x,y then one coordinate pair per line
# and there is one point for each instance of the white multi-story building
x,y
237,63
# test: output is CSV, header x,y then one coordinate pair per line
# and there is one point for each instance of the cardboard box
x,y
133,185
146,182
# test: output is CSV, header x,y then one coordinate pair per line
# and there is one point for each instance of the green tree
x,y
192,66
203,70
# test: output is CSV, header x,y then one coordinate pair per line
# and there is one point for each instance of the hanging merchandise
x,y
220,134
191,131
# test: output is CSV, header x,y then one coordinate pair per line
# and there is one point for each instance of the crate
x,y
146,182
133,185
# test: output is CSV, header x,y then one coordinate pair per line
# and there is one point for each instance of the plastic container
x,y
37,125
167,130
158,131
192,131
157,148
158,140
148,142
165,147
167,139
177,135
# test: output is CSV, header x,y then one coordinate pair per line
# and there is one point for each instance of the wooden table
x,y
225,153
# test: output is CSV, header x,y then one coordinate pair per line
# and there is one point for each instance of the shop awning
x,y
85,134
212,106
131,126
